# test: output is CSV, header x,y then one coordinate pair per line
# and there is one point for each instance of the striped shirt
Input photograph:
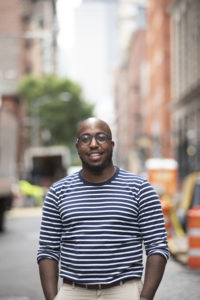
x,y
97,230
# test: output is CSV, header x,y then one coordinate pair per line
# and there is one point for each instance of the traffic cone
x,y
193,231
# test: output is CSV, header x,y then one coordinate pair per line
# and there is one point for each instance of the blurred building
x,y
146,126
28,40
132,16
95,55
11,139
158,112
130,84
185,24
28,35
130,101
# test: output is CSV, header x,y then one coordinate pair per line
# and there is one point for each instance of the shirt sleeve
x,y
151,222
51,228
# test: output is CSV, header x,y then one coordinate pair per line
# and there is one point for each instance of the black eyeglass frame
x,y
108,137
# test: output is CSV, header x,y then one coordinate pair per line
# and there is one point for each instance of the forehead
x,y
92,127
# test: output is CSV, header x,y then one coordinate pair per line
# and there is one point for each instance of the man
x,y
95,222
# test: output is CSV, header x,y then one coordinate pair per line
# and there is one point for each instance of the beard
x,y
97,168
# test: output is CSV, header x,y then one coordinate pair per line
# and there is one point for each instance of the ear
x,y
113,144
77,146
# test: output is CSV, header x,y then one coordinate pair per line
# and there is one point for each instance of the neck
x,y
96,176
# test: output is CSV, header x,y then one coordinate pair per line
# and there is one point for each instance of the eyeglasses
x,y
86,139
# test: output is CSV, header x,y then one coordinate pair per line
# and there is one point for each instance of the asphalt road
x,y
19,277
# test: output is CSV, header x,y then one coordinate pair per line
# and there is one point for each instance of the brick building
x,y
143,93
130,102
27,39
28,35
158,123
185,24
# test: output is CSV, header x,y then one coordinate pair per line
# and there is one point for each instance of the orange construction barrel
x,y
166,208
193,231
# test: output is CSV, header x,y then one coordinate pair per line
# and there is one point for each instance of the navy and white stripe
x,y
96,230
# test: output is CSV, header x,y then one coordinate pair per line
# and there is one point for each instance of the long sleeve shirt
x,y
97,230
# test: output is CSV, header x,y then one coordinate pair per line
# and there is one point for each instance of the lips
x,y
95,156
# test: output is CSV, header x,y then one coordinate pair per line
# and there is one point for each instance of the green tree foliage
x,y
58,105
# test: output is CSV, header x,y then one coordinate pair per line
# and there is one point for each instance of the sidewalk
x,y
24,212
178,247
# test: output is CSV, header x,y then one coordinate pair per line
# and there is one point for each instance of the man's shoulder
x,y
132,177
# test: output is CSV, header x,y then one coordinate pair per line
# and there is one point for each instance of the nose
x,y
93,142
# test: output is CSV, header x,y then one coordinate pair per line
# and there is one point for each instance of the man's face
x,y
95,156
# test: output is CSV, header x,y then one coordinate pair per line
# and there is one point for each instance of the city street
x,y
19,279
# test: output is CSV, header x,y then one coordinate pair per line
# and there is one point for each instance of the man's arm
x,y
49,277
152,227
48,255
155,267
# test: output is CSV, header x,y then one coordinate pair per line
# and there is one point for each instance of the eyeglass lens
x,y
87,138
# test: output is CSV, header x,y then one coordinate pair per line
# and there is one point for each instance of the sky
x,y
65,13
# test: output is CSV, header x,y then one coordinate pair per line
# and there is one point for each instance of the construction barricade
x,y
193,231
